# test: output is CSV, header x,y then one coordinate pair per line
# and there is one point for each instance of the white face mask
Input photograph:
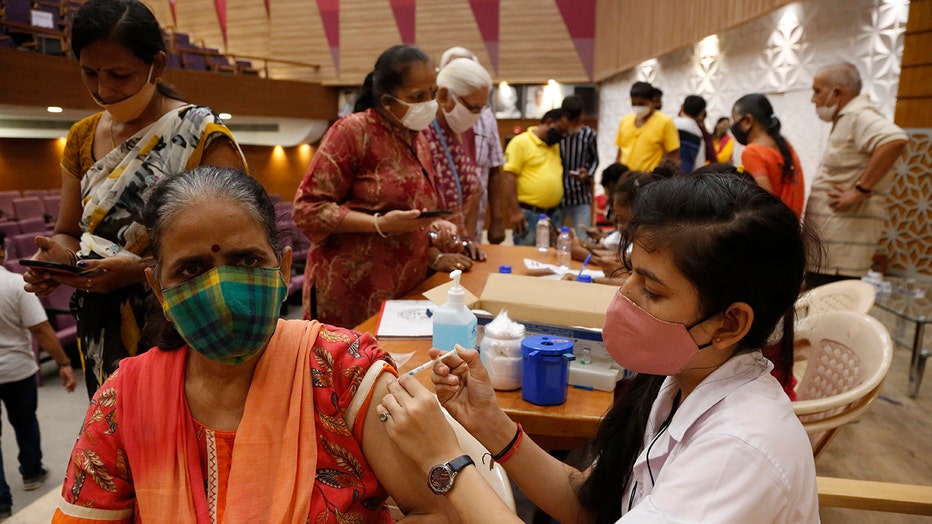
x,y
460,118
640,111
827,113
419,115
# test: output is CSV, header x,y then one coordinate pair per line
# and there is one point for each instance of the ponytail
x,y
618,444
759,107
366,98
789,167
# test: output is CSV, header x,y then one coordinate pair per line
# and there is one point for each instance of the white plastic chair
x,y
844,295
849,355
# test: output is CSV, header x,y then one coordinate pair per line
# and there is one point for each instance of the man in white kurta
x,y
848,201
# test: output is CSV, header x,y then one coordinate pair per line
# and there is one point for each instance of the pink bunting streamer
x,y
486,13
174,9
404,11
330,18
221,7
579,17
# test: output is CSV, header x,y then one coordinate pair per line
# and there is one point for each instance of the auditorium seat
x,y
28,207
33,225
6,203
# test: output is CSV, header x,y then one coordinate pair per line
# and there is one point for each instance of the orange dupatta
x,y
275,452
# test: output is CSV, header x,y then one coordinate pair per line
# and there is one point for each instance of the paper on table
x,y
405,319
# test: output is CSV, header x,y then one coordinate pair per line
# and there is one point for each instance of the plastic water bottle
x,y
453,322
543,233
564,247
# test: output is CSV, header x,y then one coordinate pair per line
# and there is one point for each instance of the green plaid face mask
x,y
229,313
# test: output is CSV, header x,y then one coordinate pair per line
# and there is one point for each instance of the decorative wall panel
x,y
907,238
778,54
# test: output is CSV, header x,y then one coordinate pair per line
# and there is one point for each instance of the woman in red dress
x,y
361,199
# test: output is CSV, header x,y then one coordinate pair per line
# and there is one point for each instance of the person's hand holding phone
x,y
40,281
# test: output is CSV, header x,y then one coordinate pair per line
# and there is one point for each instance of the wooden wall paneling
x,y
915,81
367,27
199,20
916,48
914,99
249,29
279,169
441,26
535,45
28,163
920,15
628,33
297,34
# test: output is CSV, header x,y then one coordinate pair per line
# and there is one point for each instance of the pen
x,y
585,262
430,363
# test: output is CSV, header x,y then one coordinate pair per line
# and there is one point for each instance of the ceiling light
x,y
53,109
225,116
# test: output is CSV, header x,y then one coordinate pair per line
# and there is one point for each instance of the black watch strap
x,y
862,189
460,462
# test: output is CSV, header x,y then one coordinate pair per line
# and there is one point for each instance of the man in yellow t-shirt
x,y
533,181
646,136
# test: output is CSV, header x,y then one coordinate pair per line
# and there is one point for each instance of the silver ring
x,y
384,416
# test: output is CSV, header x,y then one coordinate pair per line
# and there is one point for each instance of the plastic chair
x,y
849,354
844,295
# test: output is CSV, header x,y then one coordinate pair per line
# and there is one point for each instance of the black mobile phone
x,y
434,213
51,267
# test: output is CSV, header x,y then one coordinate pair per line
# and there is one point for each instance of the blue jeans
x,y
580,218
21,400
529,238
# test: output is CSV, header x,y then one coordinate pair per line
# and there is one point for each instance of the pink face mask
x,y
643,343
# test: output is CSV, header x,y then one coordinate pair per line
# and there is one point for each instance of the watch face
x,y
441,478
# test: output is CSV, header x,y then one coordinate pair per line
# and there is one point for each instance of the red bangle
x,y
511,448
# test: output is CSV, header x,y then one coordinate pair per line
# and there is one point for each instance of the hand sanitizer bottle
x,y
453,322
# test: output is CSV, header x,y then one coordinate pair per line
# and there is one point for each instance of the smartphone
x,y
51,267
434,213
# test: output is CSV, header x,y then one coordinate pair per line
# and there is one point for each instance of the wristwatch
x,y
440,479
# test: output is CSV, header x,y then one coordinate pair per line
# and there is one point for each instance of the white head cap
x,y
463,77
456,52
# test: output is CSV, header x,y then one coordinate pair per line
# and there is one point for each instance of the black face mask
x,y
740,135
553,136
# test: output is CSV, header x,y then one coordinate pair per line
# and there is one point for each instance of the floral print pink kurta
x,y
366,164
458,184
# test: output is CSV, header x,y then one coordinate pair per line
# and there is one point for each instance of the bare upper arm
x,y
71,207
42,327
401,477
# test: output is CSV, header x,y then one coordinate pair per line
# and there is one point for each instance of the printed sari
x,y
112,326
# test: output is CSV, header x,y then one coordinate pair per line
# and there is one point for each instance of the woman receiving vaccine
x,y
703,433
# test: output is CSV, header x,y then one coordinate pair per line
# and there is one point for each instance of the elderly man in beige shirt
x,y
847,203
